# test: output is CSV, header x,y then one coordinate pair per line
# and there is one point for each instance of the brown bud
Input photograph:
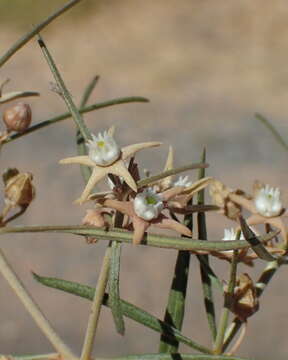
x,y
19,190
18,117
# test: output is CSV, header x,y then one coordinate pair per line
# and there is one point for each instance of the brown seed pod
x,y
19,190
18,117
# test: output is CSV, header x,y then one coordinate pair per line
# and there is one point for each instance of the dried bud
x,y
19,190
245,300
18,117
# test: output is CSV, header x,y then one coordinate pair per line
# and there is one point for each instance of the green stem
x,y
33,308
126,237
80,141
24,39
96,307
228,298
64,92
67,115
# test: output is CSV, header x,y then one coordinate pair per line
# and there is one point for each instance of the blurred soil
x,y
206,67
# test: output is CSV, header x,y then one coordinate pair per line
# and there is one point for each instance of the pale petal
x,y
125,207
140,226
165,223
132,149
111,131
170,193
242,201
166,182
83,160
279,224
198,185
119,169
97,174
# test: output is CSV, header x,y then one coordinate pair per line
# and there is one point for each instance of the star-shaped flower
x,y
146,209
105,157
265,207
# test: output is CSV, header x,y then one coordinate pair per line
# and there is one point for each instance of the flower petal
x,y
165,223
140,226
124,207
119,169
97,174
132,149
83,160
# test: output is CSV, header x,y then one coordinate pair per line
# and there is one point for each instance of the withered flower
x,y
244,300
105,157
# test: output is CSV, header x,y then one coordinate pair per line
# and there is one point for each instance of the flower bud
x,y
19,190
18,117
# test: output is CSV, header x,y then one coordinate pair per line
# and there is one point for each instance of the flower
x,y
183,181
148,205
145,210
267,201
105,157
265,207
230,234
103,149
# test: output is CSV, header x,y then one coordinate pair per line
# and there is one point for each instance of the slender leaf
x,y
131,311
126,237
67,115
273,130
205,276
256,245
114,294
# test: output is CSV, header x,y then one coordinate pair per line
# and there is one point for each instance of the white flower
x,y
230,234
267,201
183,181
103,149
148,204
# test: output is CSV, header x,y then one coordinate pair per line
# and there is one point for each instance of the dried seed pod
x,y
19,190
18,117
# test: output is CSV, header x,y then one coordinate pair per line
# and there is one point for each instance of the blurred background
x,y
207,67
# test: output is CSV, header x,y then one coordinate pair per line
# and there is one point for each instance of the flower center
x,y
101,144
150,200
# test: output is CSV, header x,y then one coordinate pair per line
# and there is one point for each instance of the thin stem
x,y
96,306
67,115
24,39
64,92
149,239
52,356
80,141
179,356
228,298
33,308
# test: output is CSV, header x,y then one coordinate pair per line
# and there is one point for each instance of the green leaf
x,y
114,294
204,259
129,310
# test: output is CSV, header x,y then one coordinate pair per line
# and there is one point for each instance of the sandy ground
x,y
206,67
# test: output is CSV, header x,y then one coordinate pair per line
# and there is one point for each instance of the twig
x,y
33,308
24,39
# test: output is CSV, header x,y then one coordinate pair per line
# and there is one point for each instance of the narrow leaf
x,y
114,294
205,276
129,310
16,95
256,245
